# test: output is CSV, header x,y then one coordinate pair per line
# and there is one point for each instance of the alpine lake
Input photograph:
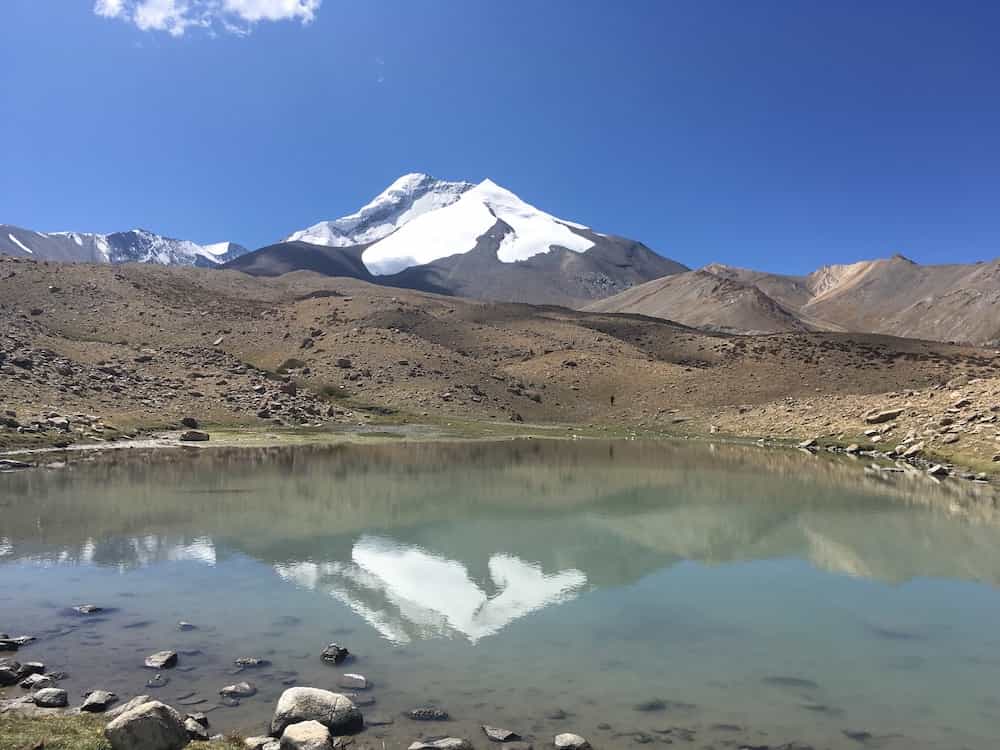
x,y
636,593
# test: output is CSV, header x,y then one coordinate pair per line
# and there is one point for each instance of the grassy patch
x,y
67,733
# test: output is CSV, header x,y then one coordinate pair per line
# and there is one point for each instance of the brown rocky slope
x,y
111,349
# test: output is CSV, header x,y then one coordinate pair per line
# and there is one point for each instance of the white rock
x,y
306,735
51,698
570,741
445,743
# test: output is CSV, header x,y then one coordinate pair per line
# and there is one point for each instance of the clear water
x,y
761,597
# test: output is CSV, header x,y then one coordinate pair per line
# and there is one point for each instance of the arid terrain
x,y
91,352
895,296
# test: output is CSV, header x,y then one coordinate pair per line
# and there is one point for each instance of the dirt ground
x,y
97,352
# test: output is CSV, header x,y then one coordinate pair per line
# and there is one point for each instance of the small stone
x,y
334,654
190,422
159,680
98,701
570,741
852,448
251,662
914,450
200,718
500,735
810,443
162,660
88,609
239,690
261,743
938,471
51,698
186,626
194,436
428,714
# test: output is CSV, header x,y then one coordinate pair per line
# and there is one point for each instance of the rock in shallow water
x,y
570,741
333,710
195,730
500,735
353,682
98,701
161,660
335,654
51,698
150,726
239,690
445,743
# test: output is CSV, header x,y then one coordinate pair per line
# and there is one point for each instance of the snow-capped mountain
x,y
469,240
134,246
410,196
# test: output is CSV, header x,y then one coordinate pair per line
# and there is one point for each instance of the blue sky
x,y
780,135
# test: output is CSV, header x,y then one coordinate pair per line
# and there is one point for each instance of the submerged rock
x,y
334,711
88,609
428,714
150,726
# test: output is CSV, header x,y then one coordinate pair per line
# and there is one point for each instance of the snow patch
x,y
20,244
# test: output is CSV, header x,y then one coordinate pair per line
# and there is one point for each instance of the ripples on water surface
x,y
746,595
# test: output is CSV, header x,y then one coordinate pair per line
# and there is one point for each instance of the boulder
x,y
570,741
334,711
162,660
190,422
306,735
194,436
445,743
98,701
151,726
883,416
51,697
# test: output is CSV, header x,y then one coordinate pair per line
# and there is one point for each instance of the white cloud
x,y
232,16
109,8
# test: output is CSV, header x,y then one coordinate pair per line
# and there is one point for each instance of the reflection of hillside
x,y
613,511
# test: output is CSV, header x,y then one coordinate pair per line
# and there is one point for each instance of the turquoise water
x,y
745,596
